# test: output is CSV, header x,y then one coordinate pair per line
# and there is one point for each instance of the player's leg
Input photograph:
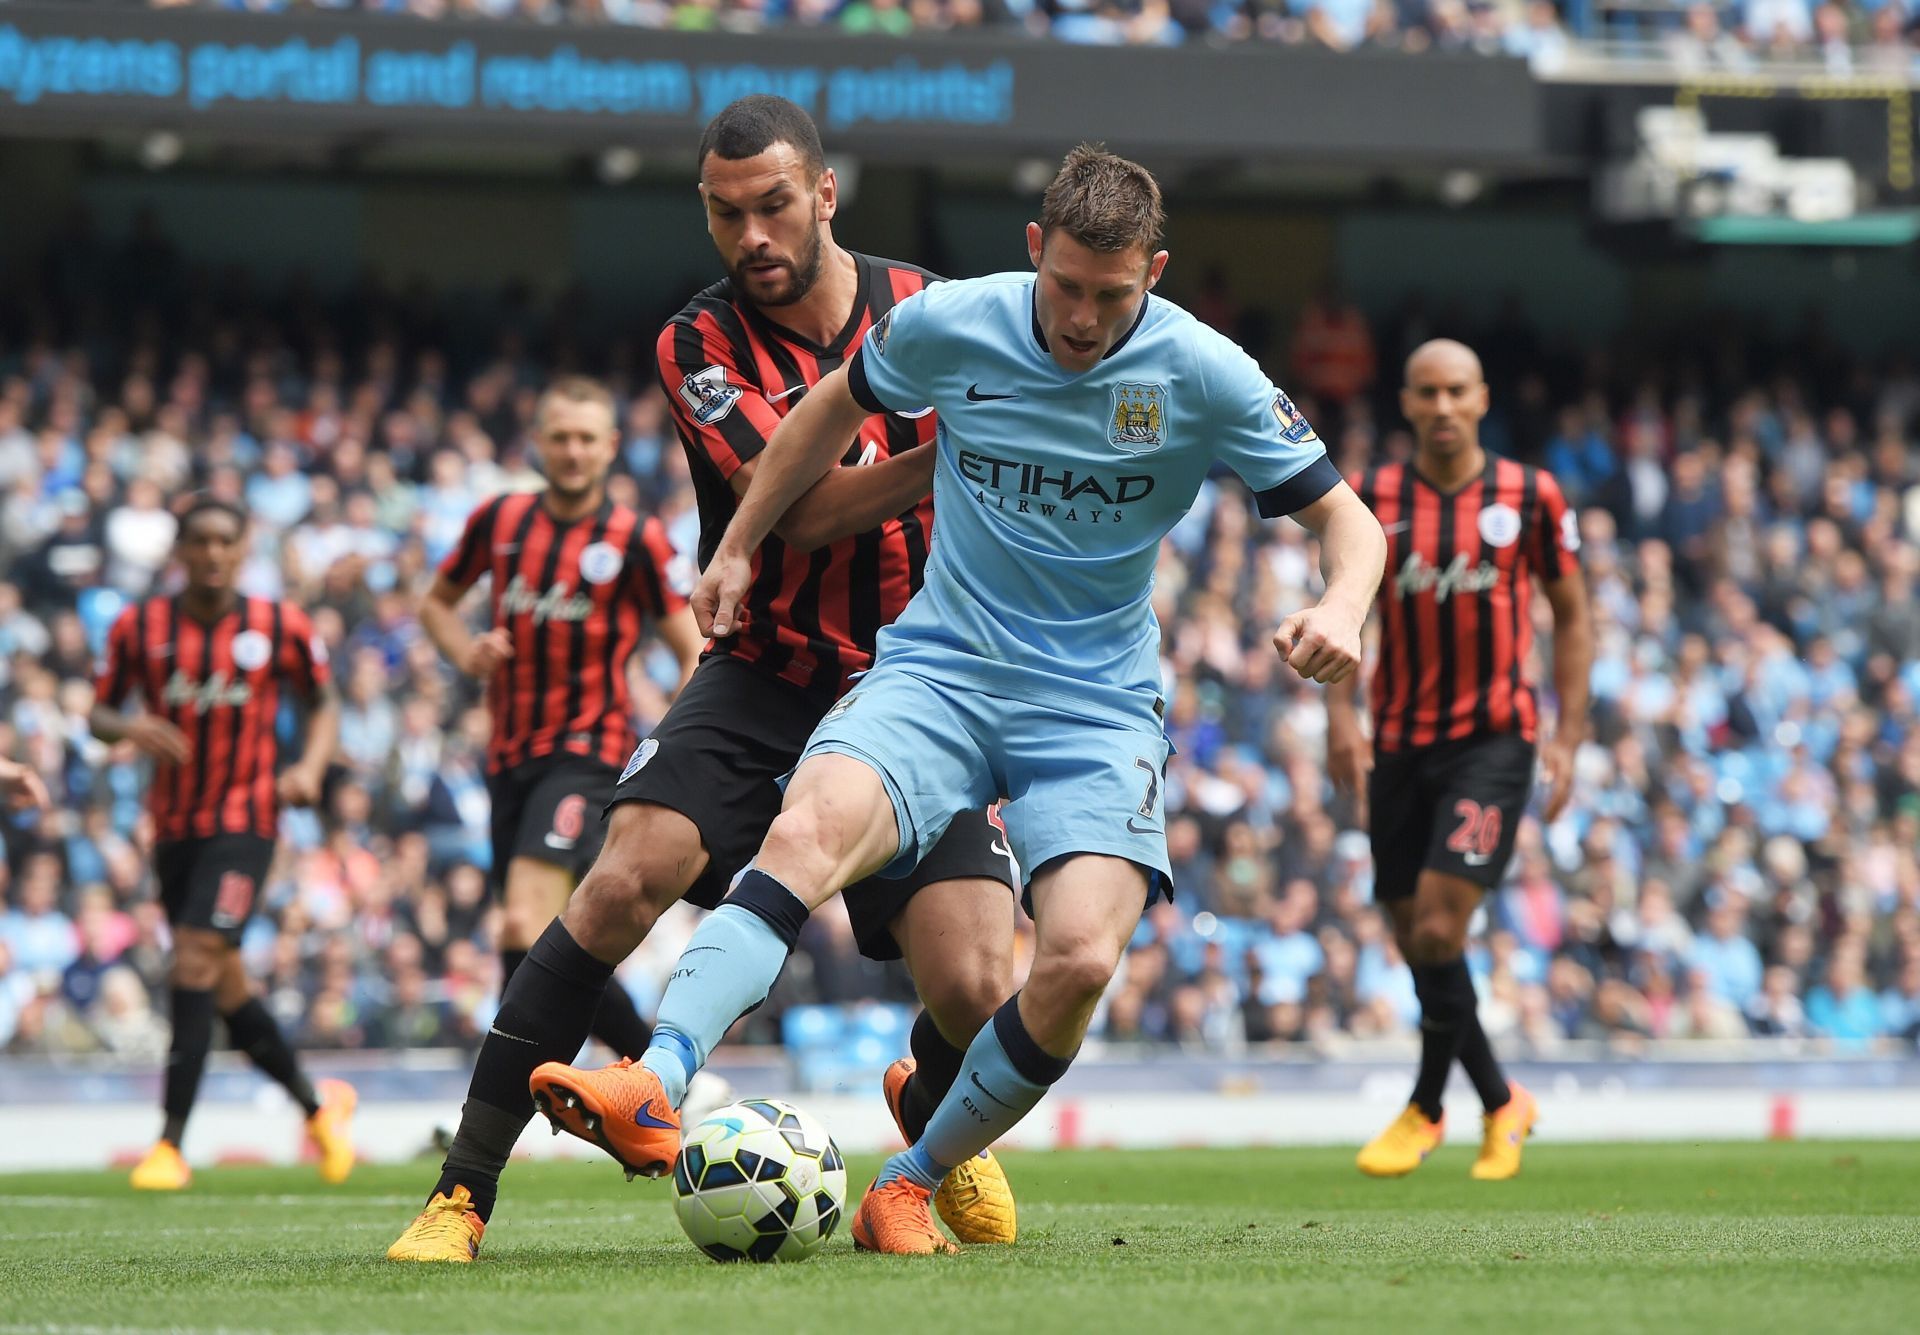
x,y
1086,908
327,1104
1401,815
561,824
879,777
1483,789
955,932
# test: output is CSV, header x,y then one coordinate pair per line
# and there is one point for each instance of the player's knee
x,y
1435,940
963,998
199,960
616,906
1080,968
803,835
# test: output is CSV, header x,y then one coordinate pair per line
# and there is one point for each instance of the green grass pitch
x,y
1814,1237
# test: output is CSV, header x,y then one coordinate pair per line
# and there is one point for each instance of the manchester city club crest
x,y
1139,417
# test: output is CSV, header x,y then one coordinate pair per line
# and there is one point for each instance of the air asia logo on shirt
x,y
1500,525
600,562
708,396
251,650
183,691
556,604
1294,426
1139,417
1074,498
1416,576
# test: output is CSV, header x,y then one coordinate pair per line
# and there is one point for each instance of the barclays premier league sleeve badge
x,y
1294,427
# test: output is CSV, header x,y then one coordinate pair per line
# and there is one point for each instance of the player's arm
x,y
1349,748
848,501
108,720
1572,684
680,632
805,444
1322,642
303,664
439,609
22,786
300,784
1555,544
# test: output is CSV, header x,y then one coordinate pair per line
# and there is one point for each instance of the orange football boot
x,y
621,1108
898,1219
975,1201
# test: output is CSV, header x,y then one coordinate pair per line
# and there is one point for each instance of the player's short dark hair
x,y
576,389
1104,202
749,126
205,502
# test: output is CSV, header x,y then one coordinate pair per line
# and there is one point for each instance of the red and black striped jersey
x,y
573,598
220,684
731,374
1456,626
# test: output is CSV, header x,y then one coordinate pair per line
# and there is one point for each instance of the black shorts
x,y
552,809
718,757
212,883
1452,807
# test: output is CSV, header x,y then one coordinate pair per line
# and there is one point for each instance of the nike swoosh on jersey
x,y
1400,527
785,394
975,396
1139,829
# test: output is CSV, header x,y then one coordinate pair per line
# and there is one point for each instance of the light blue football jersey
x,y
1052,489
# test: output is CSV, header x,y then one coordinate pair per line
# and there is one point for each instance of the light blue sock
x,y
726,970
1004,1075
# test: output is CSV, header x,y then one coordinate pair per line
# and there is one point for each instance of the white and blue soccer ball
x,y
759,1180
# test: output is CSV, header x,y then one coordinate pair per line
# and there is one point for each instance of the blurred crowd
x,y
1843,34
1739,858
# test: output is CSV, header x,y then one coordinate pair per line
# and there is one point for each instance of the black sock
x,y
1446,1007
1481,1066
486,1138
618,1024
186,1058
252,1031
544,1016
936,1066
510,962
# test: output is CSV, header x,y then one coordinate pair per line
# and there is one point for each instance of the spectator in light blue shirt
x,y
280,494
1722,953
1844,1008
40,937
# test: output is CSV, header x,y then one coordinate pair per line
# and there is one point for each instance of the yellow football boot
x,y
1505,1133
331,1129
162,1170
1403,1146
976,1200
447,1230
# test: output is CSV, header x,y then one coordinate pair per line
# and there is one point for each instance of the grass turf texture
x,y
1747,1238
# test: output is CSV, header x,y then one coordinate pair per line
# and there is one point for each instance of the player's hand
x,y
22,786
487,652
158,738
1349,762
299,787
717,597
1321,643
1556,767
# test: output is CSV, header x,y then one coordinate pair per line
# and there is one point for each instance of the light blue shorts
x,y
1074,783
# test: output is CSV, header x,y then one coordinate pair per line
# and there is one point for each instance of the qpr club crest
x,y
251,650
1500,525
708,396
1294,427
1139,417
600,563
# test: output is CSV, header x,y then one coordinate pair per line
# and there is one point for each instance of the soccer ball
x,y
759,1180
